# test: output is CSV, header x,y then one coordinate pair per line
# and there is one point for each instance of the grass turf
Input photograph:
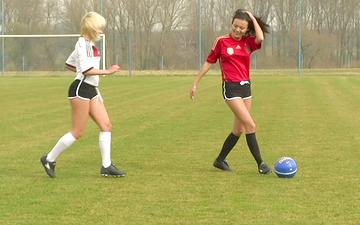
x,y
167,144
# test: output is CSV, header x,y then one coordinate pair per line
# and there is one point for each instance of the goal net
x,y
39,54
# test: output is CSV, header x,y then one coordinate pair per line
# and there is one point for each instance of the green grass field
x,y
167,144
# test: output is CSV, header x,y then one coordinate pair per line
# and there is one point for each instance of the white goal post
x,y
3,36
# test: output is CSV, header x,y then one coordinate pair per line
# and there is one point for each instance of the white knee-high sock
x,y
64,142
105,147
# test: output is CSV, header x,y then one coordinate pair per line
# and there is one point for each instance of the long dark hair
x,y
242,15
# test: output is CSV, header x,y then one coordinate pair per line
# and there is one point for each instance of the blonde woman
x,y
85,98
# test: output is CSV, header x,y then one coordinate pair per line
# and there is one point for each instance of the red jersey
x,y
234,56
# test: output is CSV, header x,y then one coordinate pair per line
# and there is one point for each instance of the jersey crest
x,y
230,51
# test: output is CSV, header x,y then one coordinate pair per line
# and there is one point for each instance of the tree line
x,y
178,34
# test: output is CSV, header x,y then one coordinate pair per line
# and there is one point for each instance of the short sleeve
x,y
250,41
84,55
215,52
71,60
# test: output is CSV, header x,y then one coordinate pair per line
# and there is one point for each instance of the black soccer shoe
x,y
111,171
222,165
48,166
264,169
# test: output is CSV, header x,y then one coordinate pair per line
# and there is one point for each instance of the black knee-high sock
x,y
254,148
229,143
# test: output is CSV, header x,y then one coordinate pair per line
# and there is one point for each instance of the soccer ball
x,y
285,167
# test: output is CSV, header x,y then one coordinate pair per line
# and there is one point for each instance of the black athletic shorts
x,y
234,90
80,89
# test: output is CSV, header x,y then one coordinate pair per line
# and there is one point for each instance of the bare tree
x,y
148,14
171,19
74,10
143,32
285,11
118,30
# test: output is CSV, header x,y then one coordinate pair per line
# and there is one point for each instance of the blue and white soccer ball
x,y
285,167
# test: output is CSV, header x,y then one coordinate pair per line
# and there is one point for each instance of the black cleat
x,y
111,171
221,164
48,166
264,169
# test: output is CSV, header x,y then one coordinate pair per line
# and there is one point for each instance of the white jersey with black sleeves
x,y
85,57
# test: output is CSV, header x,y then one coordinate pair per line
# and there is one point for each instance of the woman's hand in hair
x,y
258,30
252,17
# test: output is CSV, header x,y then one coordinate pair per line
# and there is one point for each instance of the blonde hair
x,y
92,25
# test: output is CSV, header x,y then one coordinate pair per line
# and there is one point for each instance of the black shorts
x,y
80,89
234,90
